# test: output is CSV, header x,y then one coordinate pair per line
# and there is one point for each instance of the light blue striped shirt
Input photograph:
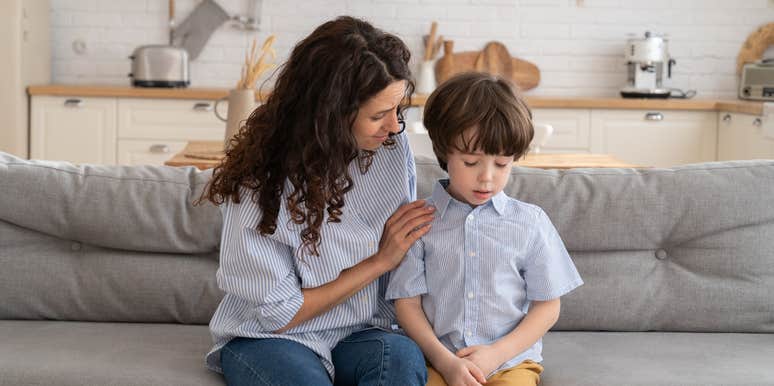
x,y
477,270
262,276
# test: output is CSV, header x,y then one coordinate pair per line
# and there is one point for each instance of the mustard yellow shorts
x,y
526,373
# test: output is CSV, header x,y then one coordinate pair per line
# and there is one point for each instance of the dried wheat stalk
x,y
252,68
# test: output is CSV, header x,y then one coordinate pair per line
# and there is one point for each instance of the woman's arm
x,y
409,223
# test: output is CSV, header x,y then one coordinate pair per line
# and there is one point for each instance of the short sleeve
x,y
408,280
258,269
550,272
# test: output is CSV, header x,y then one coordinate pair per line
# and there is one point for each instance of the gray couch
x,y
107,274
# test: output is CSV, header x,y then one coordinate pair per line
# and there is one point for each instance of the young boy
x,y
482,287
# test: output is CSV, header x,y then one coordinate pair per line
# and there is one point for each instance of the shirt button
x,y
468,333
370,244
471,295
472,254
471,218
661,254
75,247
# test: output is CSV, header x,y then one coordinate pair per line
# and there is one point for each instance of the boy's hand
x,y
485,357
461,372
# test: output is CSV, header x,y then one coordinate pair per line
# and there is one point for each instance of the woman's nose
x,y
392,125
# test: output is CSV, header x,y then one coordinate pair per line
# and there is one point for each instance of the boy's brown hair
x,y
488,103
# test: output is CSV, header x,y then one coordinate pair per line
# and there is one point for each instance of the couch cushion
x,y
681,249
108,354
654,358
44,277
141,208
116,354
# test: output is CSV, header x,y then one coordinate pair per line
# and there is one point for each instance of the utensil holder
x,y
241,103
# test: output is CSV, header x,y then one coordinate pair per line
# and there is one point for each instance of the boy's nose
x,y
486,174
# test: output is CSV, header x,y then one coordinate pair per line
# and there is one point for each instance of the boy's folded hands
x,y
461,372
484,356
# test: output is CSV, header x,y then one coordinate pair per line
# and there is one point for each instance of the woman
x,y
314,198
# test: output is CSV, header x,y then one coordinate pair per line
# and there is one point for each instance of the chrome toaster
x,y
159,66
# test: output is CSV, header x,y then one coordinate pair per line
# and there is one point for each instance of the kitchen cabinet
x,y
571,129
74,129
740,136
150,131
640,137
655,138
127,131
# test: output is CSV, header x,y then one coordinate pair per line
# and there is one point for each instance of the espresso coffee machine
x,y
647,59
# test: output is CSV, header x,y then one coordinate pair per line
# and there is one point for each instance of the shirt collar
x,y
441,199
500,202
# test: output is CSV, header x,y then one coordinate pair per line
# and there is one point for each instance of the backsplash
x,y
577,44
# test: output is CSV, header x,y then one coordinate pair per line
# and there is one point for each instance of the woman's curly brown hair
x,y
302,134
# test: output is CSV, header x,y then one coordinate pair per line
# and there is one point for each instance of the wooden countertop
x,y
129,92
208,154
734,106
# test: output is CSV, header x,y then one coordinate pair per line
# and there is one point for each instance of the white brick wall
x,y
577,44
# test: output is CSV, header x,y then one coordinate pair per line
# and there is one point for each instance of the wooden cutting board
x,y
493,59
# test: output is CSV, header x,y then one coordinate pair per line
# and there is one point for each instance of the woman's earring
x,y
402,124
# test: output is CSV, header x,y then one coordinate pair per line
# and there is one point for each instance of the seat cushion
x,y
656,358
108,354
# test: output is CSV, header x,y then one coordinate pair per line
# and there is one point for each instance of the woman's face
x,y
378,117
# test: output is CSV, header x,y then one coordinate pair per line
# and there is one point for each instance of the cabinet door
x,y
147,152
655,138
74,129
571,129
170,119
740,136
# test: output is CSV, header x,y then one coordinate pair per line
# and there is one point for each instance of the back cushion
x,y
106,243
689,248
139,208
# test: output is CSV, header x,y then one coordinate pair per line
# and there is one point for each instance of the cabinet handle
x,y
201,106
654,117
159,149
757,122
73,103
727,118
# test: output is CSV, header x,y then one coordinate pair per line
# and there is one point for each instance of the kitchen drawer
x,y
571,129
147,152
184,120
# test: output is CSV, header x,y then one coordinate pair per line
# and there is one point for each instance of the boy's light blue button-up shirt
x,y
477,270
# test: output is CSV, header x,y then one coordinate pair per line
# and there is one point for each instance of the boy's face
x,y
474,178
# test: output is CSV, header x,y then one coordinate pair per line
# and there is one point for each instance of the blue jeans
x,y
369,357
